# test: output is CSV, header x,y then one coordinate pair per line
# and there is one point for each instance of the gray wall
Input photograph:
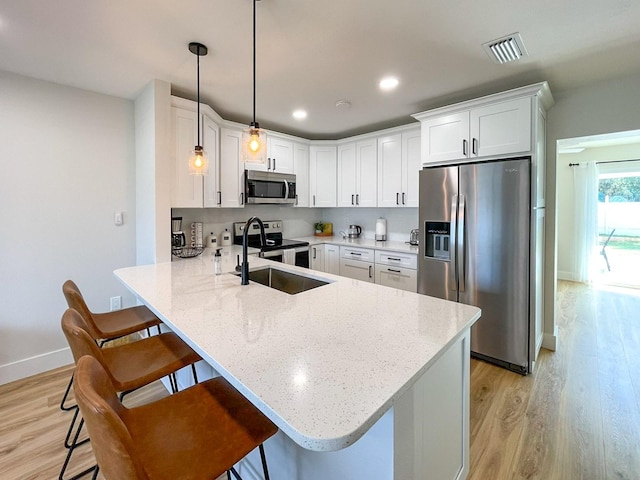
x,y
67,159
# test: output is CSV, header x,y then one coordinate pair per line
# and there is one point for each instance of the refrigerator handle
x,y
453,269
460,246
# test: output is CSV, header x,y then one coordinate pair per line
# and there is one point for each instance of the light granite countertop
x,y
324,365
394,246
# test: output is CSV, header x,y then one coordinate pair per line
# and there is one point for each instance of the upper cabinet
x,y
357,174
502,125
301,170
193,190
279,155
231,171
398,166
322,175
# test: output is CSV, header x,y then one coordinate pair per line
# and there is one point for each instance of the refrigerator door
x,y
437,220
495,266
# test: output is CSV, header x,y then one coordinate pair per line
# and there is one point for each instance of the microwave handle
x,y
286,189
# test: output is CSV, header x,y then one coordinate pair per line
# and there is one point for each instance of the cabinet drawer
x,y
401,278
355,253
406,260
364,271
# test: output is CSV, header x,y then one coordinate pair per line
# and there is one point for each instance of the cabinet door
x,y
316,257
322,176
367,173
411,167
332,259
280,155
445,138
211,184
358,270
389,170
501,128
187,189
401,278
346,175
230,168
301,169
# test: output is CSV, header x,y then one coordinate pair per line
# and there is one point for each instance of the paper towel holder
x,y
381,230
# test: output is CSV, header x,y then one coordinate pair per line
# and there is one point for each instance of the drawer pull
x,y
355,253
392,270
394,259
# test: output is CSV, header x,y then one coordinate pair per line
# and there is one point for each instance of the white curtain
x,y
585,180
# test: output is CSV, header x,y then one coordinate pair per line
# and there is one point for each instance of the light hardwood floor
x,y
577,417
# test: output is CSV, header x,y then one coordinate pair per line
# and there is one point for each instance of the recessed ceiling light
x,y
300,114
388,83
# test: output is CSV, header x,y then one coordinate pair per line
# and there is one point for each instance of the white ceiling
x,y
312,54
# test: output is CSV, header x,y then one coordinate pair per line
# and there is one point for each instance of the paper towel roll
x,y
381,229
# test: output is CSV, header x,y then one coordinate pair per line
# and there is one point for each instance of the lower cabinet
x,y
357,263
332,259
316,257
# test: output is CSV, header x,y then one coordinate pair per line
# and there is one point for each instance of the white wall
x,y
67,159
603,107
567,210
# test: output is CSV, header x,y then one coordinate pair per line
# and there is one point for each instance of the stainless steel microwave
x,y
269,187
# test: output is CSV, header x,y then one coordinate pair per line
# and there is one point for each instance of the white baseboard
x,y
34,365
550,341
569,276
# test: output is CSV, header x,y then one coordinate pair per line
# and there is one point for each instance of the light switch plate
x,y
118,218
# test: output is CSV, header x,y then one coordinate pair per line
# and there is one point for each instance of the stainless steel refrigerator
x,y
475,249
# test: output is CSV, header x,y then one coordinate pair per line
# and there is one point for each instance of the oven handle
x,y
272,253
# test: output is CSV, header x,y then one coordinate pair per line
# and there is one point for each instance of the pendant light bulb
x,y
254,139
198,160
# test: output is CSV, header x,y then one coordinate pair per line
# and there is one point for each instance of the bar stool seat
x,y
196,434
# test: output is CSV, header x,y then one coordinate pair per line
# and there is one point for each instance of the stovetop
x,y
273,235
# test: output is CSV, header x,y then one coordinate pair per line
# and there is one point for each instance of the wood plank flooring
x,y
577,417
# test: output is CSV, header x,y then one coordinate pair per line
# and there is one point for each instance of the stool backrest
x,y
105,417
76,301
79,339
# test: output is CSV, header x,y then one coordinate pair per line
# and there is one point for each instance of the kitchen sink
x,y
284,281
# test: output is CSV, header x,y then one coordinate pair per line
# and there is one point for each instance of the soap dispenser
x,y
217,262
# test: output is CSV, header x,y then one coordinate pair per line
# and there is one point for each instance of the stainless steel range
x,y
292,252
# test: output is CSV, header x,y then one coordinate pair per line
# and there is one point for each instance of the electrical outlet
x,y
116,303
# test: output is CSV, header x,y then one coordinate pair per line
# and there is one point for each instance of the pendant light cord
x,y
254,61
198,75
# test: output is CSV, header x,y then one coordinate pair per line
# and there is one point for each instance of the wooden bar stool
x,y
129,366
196,434
106,326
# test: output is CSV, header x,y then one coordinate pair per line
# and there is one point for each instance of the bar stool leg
x,y
64,398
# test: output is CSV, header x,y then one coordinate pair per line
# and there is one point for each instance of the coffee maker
x,y
178,239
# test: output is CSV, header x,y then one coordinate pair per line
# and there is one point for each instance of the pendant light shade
x,y
254,139
198,160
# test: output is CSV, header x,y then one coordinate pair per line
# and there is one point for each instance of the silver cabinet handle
x,y
464,147
357,199
474,146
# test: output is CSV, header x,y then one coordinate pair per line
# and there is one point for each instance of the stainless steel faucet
x,y
245,262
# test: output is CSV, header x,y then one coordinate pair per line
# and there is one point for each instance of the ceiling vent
x,y
506,49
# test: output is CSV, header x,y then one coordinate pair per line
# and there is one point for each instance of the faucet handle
x,y
238,267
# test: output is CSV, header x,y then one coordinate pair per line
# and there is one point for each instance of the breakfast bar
x,y
363,381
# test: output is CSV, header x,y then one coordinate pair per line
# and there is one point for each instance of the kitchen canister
x,y
212,240
381,230
226,238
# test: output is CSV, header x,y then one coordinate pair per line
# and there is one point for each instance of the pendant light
x,y
254,139
198,160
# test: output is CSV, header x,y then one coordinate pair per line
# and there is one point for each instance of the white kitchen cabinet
x,y
188,190
357,174
494,129
322,175
332,259
397,277
398,166
301,170
279,155
231,173
357,263
316,257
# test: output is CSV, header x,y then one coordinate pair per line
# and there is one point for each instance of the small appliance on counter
x,y
354,231
381,230
177,235
413,236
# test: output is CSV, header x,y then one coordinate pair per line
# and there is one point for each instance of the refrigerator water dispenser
x,y
436,240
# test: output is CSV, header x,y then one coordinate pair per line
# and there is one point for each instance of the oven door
x,y
268,187
291,256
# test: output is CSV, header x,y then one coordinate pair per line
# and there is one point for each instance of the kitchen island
x,y
364,381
